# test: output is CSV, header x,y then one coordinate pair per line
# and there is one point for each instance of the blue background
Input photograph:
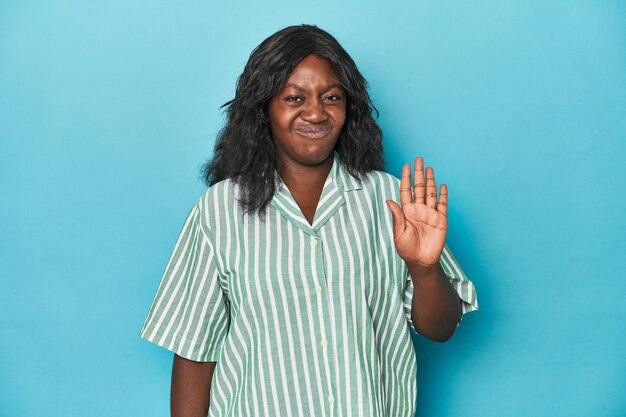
x,y
108,109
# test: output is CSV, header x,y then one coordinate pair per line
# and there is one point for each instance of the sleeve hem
x,y
177,344
466,293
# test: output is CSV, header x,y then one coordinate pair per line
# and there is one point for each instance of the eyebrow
x,y
297,87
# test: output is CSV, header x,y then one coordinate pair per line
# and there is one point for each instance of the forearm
x,y
191,386
436,307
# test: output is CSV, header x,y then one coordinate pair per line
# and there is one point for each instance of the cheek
x,y
280,128
275,114
340,118
280,120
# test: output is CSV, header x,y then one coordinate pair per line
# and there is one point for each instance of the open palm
x,y
421,224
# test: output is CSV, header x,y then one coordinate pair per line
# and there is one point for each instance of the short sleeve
x,y
189,314
464,287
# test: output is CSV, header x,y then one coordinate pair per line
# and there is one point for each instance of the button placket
x,y
325,348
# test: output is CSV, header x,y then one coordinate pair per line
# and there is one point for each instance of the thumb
x,y
398,217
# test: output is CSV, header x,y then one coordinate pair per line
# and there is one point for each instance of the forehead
x,y
313,71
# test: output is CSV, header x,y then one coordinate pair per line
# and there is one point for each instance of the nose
x,y
314,112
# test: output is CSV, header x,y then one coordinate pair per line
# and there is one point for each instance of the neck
x,y
306,178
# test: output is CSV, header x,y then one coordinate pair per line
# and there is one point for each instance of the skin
x,y
191,387
306,118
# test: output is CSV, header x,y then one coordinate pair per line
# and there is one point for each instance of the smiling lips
x,y
313,132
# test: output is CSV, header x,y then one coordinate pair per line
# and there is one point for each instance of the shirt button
x,y
331,399
318,289
324,343
313,242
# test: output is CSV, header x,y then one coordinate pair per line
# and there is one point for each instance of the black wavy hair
x,y
244,149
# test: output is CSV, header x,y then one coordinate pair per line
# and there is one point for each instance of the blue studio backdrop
x,y
108,109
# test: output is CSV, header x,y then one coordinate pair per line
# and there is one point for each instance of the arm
x,y
191,386
420,227
436,307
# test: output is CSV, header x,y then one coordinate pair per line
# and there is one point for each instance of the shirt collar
x,y
338,181
341,176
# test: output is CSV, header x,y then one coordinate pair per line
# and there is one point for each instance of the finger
x,y
398,217
431,188
442,205
405,185
418,178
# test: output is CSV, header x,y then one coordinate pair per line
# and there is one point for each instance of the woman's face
x,y
307,115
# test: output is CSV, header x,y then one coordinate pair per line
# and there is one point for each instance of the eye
x,y
333,98
294,99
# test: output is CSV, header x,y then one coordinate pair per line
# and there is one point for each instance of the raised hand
x,y
421,224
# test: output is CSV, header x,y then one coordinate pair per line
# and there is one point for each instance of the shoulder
x,y
381,177
381,184
220,193
216,202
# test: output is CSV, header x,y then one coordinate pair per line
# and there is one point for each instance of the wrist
x,y
424,272
420,267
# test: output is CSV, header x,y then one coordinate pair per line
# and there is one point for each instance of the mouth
x,y
313,132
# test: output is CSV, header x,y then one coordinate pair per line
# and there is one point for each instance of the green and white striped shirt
x,y
302,320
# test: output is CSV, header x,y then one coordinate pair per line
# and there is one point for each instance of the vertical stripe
x,y
278,358
293,279
370,278
295,373
331,260
322,389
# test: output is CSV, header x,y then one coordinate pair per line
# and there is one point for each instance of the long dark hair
x,y
244,150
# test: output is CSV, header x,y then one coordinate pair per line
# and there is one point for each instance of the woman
x,y
297,277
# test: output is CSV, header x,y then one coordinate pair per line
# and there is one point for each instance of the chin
x,y
307,152
316,156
